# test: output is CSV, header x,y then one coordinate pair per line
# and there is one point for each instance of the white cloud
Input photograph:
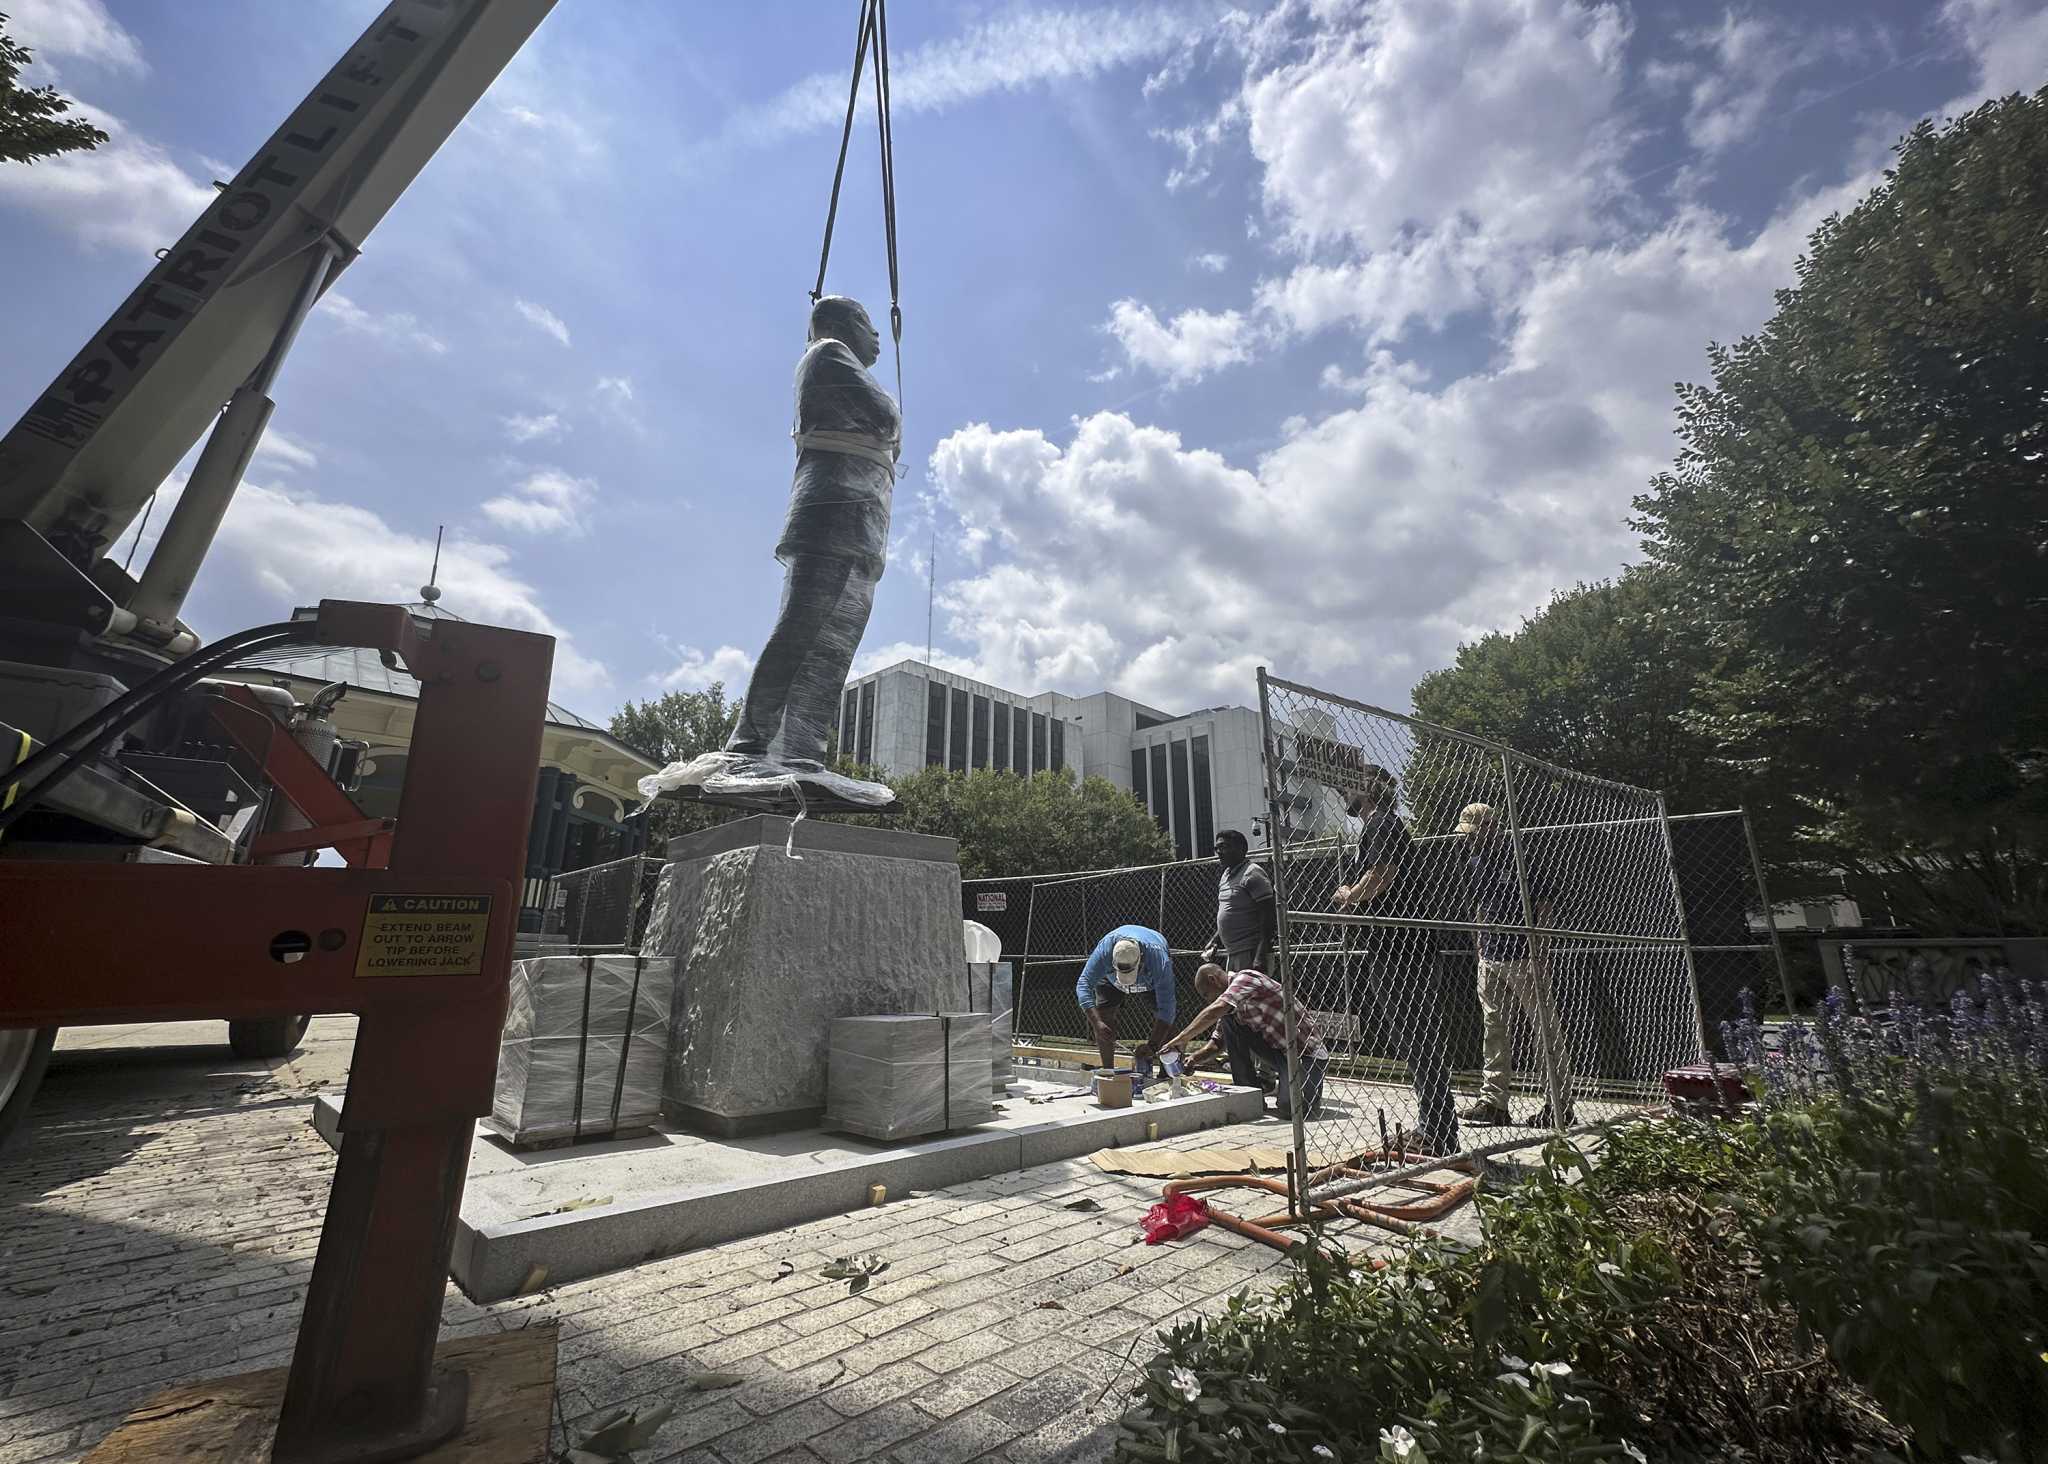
x,y
616,389
1747,59
547,501
285,452
1009,52
1209,263
1411,114
2008,40
1186,348
1381,292
694,670
541,428
543,319
1375,538
396,328
281,547
127,194
79,30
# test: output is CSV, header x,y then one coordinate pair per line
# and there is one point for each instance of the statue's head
x,y
842,318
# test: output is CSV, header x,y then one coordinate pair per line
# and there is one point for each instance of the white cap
x,y
1125,955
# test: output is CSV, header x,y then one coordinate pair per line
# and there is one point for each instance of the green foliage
x,y
32,120
677,726
1468,1354
1856,530
1599,680
1044,824
1903,1193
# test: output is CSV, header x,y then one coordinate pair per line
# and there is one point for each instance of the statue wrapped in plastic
x,y
848,433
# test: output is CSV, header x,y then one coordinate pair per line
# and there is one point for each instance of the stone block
x,y
776,931
900,1077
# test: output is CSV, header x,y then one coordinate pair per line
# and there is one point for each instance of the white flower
x,y
1184,1383
1555,1369
1509,1359
1637,1454
1323,1451
1608,1268
1423,1283
1397,1443
1278,1428
1234,1432
1516,1378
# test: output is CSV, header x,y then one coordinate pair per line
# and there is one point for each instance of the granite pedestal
x,y
769,949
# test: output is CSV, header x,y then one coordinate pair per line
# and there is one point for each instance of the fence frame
x,y
1530,929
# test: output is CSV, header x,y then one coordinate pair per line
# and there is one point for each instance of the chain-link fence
x,y
591,911
1495,915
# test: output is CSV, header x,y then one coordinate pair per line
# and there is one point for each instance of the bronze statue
x,y
834,543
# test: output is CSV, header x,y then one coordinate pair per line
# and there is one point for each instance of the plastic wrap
x,y
584,1046
735,775
991,985
900,1077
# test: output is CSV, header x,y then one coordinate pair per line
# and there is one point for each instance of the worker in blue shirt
x,y
1132,961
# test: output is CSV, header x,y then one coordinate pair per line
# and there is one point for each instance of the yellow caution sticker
x,y
424,935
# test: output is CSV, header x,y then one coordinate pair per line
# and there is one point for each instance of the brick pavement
x,y
161,1224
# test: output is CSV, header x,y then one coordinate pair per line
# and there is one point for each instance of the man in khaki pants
x,y
1506,963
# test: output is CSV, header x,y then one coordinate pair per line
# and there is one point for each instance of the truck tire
x,y
24,1054
270,1037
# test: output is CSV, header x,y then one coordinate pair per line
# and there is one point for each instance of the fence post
x,y
1763,893
1692,976
1539,978
1297,1199
1161,926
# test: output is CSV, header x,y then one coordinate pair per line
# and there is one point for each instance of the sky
x,y
1316,335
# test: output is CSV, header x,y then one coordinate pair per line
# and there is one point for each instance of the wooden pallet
x,y
232,1420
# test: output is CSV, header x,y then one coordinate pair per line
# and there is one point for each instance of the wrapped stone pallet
x,y
989,986
903,1077
584,1047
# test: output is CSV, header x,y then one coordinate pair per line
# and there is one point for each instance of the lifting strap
x,y
873,33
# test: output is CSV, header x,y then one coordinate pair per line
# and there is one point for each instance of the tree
x,y
32,120
1011,825
681,725
1602,680
1856,529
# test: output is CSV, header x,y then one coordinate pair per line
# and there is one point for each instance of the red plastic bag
x,y
1174,1218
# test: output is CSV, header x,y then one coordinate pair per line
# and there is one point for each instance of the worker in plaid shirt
x,y
1247,1010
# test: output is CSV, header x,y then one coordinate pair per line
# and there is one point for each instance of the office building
x,y
1196,772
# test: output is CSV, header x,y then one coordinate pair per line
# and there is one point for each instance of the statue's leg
x,y
812,587
814,696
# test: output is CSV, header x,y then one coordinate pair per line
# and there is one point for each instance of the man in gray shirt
x,y
1247,920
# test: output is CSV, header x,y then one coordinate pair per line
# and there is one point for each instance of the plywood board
x,y
1182,1163
232,1420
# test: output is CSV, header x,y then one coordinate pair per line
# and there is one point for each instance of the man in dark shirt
x,y
1394,970
1247,918
1507,963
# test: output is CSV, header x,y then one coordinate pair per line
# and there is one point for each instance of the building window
x,y
1038,743
1138,777
1159,786
934,725
849,722
1183,842
959,731
981,731
1002,753
1205,800
1059,745
867,725
1020,728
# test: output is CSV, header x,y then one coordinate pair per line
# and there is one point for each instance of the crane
x,y
124,895
197,345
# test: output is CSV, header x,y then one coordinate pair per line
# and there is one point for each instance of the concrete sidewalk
x,y
161,1225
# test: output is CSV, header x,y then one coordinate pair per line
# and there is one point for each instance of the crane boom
x,y
221,304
